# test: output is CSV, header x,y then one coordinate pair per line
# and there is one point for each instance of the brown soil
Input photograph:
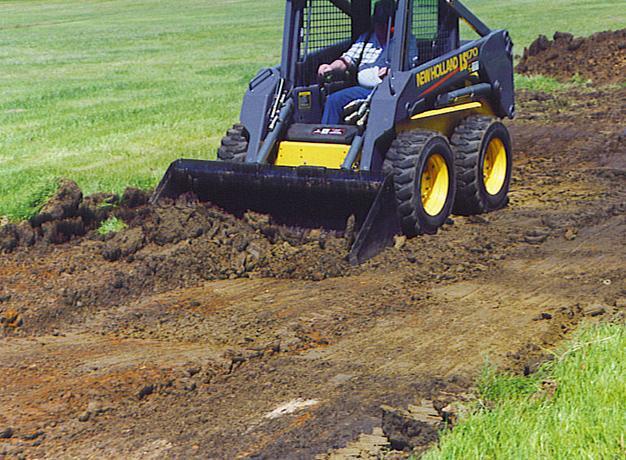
x,y
600,58
179,336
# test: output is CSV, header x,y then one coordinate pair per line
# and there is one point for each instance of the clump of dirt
x,y
65,216
600,58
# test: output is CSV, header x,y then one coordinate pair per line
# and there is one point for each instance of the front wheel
x,y
234,146
484,160
424,180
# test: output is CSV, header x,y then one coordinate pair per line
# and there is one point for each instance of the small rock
x,y
147,390
190,386
476,219
193,371
596,310
31,436
399,241
7,433
453,412
407,429
11,317
542,316
5,298
315,234
535,237
547,391
533,364
96,407
570,234
340,379
85,416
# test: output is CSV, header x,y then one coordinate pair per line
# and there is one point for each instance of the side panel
x,y
256,106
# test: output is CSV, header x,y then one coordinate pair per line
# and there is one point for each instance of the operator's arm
x,y
338,65
346,61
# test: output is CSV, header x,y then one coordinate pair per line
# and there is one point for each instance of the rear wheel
x,y
424,180
482,148
234,145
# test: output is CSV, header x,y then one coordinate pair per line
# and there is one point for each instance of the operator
x,y
368,56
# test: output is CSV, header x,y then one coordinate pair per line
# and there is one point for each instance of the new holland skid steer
x,y
426,142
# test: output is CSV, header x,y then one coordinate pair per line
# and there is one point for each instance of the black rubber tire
x,y
469,142
408,154
234,145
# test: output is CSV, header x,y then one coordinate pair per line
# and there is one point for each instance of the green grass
x,y
585,418
108,93
547,84
111,225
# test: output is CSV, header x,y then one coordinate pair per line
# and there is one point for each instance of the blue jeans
x,y
337,101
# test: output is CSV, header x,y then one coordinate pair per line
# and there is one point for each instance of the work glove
x,y
356,112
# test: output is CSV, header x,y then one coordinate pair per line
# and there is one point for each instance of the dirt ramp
x,y
600,58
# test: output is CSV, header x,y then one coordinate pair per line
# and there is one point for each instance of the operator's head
x,y
384,10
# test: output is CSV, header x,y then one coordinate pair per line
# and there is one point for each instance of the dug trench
x,y
194,334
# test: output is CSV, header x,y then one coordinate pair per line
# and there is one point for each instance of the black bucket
x,y
305,197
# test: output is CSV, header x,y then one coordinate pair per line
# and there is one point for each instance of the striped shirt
x,y
372,56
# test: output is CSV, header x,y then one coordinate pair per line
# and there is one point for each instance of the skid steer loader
x,y
426,142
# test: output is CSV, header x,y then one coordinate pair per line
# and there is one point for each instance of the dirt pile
x,y
170,245
600,58
182,236
68,215
189,240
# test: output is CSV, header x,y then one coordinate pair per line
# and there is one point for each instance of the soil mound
x,y
68,215
600,58
183,237
186,238
170,245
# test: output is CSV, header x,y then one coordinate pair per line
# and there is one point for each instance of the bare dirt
x,y
194,335
600,58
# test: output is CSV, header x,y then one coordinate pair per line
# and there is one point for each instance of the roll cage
x,y
319,31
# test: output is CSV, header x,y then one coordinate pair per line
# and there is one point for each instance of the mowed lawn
x,y
108,93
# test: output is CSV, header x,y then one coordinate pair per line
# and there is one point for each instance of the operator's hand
x,y
382,73
324,69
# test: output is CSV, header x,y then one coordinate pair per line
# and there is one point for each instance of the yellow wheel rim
x,y
434,184
494,166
